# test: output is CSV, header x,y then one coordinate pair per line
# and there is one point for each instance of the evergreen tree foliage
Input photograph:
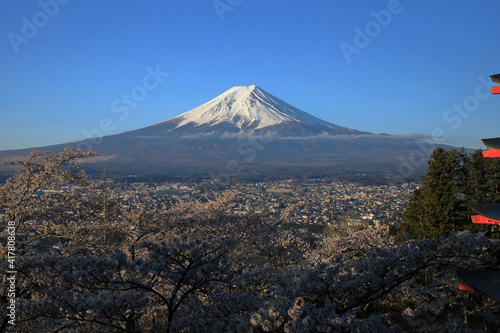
x,y
454,181
481,183
493,169
435,207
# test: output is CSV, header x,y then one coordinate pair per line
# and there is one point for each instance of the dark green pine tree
x,y
413,217
482,187
435,208
477,187
493,181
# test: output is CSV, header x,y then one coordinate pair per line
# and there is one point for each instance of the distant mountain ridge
x,y
247,131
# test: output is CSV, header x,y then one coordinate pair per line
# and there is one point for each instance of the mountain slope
x,y
247,107
247,131
244,109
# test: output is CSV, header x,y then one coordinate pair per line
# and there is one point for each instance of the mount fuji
x,y
246,131
245,110
247,107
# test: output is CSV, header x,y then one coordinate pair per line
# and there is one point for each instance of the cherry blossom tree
x,y
22,198
196,266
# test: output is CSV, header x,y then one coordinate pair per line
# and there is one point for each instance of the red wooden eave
x,y
495,78
464,286
486,283
483,220
491,152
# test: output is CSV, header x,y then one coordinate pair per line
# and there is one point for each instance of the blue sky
x,y
396,67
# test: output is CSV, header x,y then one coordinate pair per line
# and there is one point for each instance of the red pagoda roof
x,y
494,144
486,282
495,78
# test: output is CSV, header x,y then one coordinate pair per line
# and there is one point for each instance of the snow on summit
x,y
247,107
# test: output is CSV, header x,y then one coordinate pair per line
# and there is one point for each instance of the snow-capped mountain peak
x,y
247,107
